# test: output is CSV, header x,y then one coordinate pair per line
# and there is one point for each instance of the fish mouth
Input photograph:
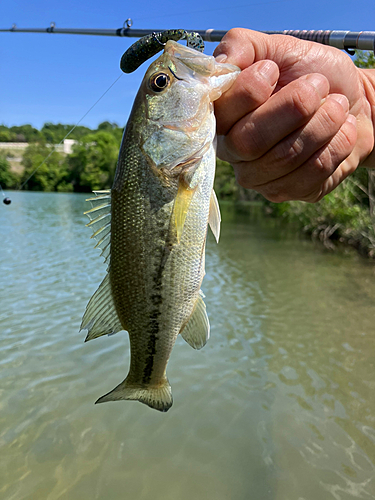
x,y
198,61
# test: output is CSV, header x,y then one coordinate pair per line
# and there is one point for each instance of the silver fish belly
x,y
160,205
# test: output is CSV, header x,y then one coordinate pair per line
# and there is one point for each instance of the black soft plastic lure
x,y
150,45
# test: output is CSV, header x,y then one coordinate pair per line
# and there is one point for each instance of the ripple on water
x,y
279,404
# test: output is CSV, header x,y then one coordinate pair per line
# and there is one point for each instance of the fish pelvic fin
x,y
158,397
197,330
100,317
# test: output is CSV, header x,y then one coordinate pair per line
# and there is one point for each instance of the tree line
x,y
90,166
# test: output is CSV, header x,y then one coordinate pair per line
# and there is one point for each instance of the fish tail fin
x,y
157,397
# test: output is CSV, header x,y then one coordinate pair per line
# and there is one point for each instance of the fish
x,y
152,225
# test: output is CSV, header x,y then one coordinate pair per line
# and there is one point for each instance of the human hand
x,y
298,120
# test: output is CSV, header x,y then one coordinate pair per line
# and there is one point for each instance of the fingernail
x,y
351,119
269,71
341,99
221,58
319,82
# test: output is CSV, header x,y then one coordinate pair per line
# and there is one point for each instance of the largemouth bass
x,y
152,225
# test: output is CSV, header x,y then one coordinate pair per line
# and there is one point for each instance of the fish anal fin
x,y
214,217
100,317
197,330
157,397
181,205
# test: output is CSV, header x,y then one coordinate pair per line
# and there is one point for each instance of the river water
x,y
279,405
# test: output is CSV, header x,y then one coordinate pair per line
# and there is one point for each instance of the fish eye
x,y
159,82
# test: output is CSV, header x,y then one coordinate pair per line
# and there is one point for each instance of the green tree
x,y
112,128
5,136
8,179
107,126
364,59
79,132
49,175
25,133
54,133
93,162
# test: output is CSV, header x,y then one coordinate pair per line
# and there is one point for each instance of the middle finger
x,y
299,146
283,113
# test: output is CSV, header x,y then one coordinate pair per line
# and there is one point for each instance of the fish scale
x,y
161,203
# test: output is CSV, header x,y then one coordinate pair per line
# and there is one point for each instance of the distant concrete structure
x,y
20,146
14,151
66,147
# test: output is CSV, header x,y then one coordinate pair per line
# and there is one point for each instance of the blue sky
x,y
57,78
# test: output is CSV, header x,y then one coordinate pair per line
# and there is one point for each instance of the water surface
x,y
279,405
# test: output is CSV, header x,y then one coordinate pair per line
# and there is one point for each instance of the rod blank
x,y
363,40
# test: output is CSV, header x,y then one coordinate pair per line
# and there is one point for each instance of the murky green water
x,y
279,405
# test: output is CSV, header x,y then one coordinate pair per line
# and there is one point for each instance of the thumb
x,y
242,47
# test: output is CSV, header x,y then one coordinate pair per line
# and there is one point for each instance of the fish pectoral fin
x,y
214,217
181,205
197,330
100,317
157,397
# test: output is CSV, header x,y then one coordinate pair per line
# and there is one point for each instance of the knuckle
x,y
322,163
273,192
346,139
248,143
234,35
305,100
250,92
313,196
331,116
289,150
227,151
242,176
329,158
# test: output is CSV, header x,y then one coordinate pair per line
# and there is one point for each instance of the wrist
x,y
368,82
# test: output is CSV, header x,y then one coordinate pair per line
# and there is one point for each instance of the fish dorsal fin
x,y
181,205
100,221
197,330
100,317
214,217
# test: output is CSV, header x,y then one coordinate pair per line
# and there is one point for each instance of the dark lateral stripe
x,y
151,346
154,326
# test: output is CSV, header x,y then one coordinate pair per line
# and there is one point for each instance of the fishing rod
x,y
346,40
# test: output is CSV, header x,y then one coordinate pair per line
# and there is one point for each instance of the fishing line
x,y
62,140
